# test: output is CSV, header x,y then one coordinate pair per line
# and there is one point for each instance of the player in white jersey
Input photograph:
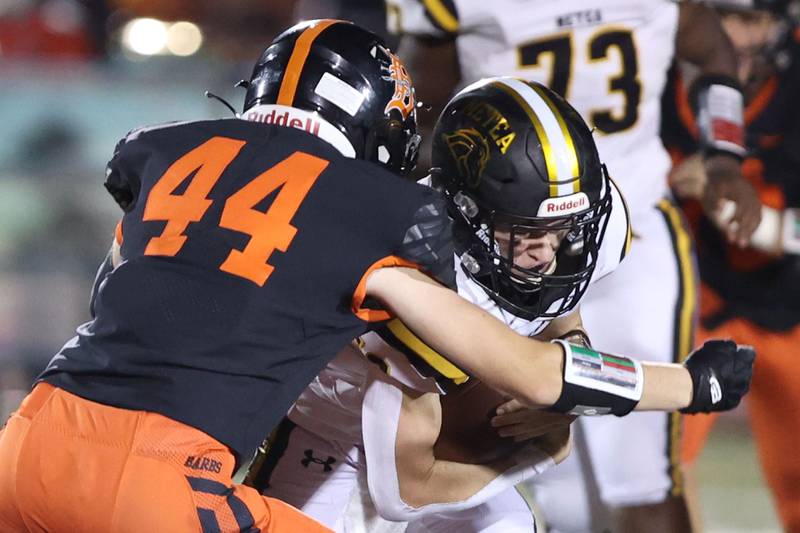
x,y
609,59
519,166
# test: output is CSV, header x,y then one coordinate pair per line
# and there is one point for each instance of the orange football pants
x,y
72,465
773,408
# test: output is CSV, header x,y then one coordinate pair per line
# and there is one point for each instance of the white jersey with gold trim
x,y
331,405
608,59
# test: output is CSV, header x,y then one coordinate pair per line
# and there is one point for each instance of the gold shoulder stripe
x,y
428,354
294,67
446,19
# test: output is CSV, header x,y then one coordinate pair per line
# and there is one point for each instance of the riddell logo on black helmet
x,y
565,205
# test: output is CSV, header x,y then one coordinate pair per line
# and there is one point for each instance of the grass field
x,y
733,497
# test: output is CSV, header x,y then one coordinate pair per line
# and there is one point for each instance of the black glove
x,y
721,372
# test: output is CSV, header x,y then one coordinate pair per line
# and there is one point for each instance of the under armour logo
x,y
309,458
716,389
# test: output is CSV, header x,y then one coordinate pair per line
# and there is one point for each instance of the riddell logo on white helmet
x,y
564,205
291,117
274,116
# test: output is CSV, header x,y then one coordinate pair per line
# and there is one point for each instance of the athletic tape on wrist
x,y
778,231
596,383
767,236
719,110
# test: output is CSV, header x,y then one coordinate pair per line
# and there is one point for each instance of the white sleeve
x,y
380,418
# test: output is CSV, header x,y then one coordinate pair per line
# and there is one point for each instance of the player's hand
x,y
557,443
688,178
523,423
721,372
725,182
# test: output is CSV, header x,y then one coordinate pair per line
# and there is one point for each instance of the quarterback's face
x,y
531,249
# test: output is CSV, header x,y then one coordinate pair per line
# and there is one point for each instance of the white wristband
x,y
720,119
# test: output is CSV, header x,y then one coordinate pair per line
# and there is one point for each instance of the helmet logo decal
x,y
493,121
403,97
470,150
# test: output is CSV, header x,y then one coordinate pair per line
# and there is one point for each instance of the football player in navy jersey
x,y
250,250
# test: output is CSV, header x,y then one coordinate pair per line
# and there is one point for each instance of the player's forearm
x,y
469,337
423,479
667,387
541,374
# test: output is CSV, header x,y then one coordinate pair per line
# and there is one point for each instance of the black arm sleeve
x,y
429,242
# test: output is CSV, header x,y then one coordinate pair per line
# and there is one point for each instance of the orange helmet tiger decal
x,y
403,99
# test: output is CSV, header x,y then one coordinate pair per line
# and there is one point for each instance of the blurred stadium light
x,y
149,36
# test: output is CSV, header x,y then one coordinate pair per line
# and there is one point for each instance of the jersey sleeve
x,y
424,18
406,358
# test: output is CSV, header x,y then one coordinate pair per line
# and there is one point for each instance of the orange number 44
x,y
268,231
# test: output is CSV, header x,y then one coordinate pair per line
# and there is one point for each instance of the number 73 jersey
x,y
245,250
608,58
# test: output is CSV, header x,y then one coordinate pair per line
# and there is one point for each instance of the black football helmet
x,y
512,154
350,78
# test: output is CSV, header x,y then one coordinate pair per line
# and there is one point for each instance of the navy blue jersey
x,y
245,248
